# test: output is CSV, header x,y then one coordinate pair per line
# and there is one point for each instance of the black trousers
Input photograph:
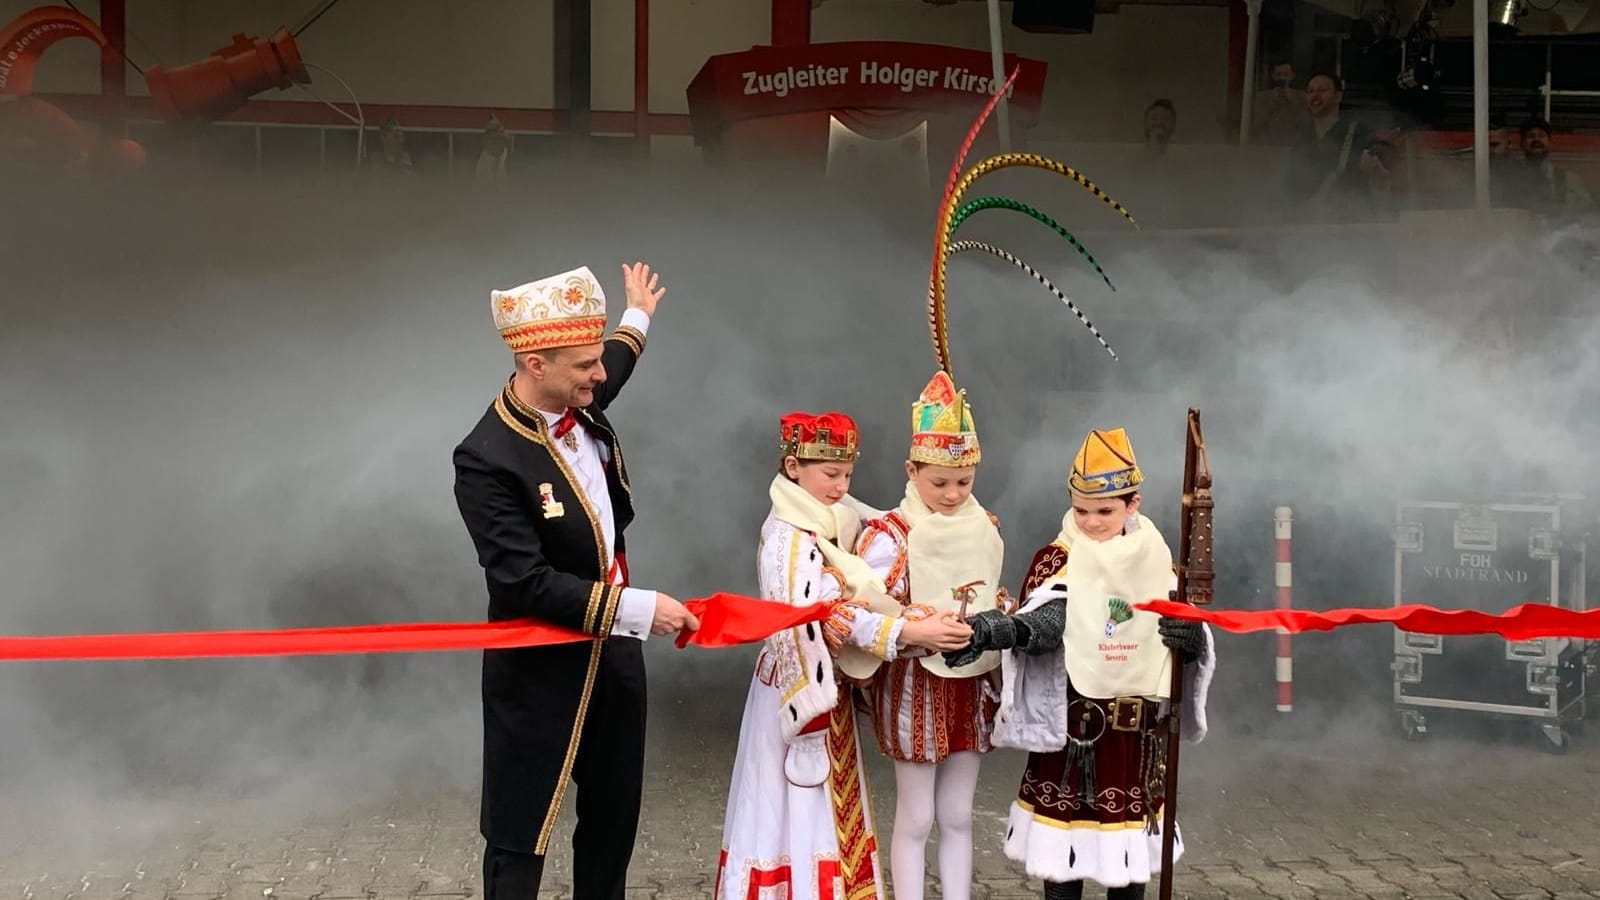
x,y
608,774
1073,890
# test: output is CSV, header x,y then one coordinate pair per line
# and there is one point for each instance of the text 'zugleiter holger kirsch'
x,y
907,78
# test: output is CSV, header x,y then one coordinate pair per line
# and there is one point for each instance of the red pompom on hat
x,y
818,436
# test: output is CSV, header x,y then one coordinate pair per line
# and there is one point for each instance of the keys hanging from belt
x,y
1087,722
1080,747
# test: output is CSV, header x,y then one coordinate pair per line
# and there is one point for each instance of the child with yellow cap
x,y
1086,681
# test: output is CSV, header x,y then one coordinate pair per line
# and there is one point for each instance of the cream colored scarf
x,y
968,533
1069,531
949,551
833,524
1113,650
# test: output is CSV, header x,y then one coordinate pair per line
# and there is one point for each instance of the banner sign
x,y
776,81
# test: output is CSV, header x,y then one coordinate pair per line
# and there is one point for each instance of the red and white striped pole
x,y
1281,520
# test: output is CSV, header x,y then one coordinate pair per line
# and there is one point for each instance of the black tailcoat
x,y
548,567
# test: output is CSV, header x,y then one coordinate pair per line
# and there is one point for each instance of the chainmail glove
x,y
993,630
1184,637
967,655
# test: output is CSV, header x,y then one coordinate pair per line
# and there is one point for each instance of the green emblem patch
x,y
1120,611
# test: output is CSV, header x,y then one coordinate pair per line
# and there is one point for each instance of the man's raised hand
x,y
640,284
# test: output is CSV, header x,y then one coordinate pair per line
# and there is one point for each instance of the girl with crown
x,y
798,823
939,551
1086,679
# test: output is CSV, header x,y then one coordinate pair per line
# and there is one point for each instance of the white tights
x,y
923,792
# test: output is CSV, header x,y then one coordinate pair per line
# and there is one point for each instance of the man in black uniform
x,y
544,493
1326,176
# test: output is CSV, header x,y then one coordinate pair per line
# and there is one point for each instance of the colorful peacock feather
x,y
950,218
962,246
983,203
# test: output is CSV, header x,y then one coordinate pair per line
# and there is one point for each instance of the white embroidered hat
x,y
566,310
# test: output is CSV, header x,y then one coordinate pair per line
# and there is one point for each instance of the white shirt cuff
x,y
865,628
637,318
635,611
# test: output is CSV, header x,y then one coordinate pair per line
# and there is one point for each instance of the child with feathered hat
x,y
939,550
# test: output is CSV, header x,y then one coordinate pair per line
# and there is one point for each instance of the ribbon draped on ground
x,y
1519,623
726,620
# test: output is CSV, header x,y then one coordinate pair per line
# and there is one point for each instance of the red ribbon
x,y
726,620
1519,623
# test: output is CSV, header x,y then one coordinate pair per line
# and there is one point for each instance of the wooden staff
x,y
1194,586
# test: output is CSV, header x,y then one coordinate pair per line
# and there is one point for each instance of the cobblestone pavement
x,y
1363,814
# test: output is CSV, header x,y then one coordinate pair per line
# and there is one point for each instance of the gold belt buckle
x,y
1127,713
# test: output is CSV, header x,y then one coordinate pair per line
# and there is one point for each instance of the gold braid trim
x,y
543,843
632,337
552,333
613,602
537,436
880,643
589,612
856,843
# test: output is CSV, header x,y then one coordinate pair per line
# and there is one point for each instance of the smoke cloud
x,y
232,406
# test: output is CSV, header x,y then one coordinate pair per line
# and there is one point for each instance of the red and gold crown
x,y
566,310
942,430
1105,466
830,436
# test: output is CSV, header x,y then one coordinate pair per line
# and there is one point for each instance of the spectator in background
x,y
1386,163
1399,177
1535,182
490,170
1280,117
1148,175
1160,121
1500,162
1325,172
392,155
1499,141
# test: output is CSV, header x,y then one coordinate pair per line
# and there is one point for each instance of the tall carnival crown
x,y
952,215
818,437
942,431
566,310
1105,466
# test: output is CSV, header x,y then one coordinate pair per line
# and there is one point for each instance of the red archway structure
x,y
780,102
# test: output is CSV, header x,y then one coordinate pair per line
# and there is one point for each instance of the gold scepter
x,y
1195,575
